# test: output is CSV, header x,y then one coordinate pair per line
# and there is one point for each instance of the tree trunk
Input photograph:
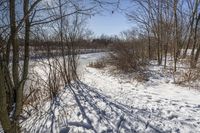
x,y
166,50
176,34
4,118
15,45
194,58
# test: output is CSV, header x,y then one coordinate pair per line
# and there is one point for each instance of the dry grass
x,y
47,79
188,77
99,64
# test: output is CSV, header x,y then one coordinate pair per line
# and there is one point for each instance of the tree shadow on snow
x,y
100,111
95,112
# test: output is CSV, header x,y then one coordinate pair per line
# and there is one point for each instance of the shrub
x,y
189,78
98,64
128,57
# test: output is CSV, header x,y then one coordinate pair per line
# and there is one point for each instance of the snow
x,y
159,101
102,102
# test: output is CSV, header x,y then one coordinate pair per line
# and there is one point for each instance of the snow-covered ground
x,y
161,104
105,103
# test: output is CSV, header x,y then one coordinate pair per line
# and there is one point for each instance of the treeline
x,y
41,48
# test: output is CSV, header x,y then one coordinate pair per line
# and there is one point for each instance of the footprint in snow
x,y
173,117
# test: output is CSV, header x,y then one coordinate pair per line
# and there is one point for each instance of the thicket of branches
x,y
129,55
166,32
169,27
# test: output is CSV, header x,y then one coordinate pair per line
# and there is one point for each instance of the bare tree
x,y
18,18
13,84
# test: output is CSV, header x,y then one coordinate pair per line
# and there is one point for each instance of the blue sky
x,y
109,23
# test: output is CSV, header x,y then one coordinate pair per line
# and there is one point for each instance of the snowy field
x,y
157,105
103,103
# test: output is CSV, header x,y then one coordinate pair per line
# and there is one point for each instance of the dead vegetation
x,y
189,78
99,64
128,58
